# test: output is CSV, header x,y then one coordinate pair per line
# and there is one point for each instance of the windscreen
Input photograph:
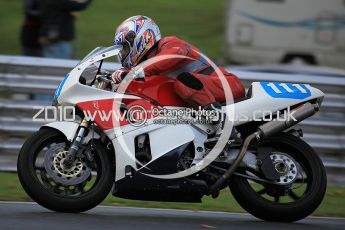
x,y
97,51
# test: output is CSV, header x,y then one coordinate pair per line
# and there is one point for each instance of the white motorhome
x,y
274,31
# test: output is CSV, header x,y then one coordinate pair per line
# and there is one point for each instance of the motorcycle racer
x,y
197,82
71,165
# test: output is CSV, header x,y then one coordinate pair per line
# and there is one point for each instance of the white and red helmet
x,y
137,35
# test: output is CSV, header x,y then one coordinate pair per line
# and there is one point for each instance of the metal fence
x,y
21,78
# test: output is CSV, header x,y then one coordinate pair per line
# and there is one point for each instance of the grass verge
x,y
199,21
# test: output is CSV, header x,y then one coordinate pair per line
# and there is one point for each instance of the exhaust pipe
x,y
280,124
264,131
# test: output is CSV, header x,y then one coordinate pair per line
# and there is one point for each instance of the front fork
x,y
82,130
71,155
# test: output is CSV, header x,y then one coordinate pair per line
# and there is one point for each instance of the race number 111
x,y
286,88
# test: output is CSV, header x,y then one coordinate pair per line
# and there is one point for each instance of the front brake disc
x,y
53,164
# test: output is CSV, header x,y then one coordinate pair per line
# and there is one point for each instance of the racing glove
x,y
119,75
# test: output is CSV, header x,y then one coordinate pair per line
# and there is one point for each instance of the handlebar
x,y
104,78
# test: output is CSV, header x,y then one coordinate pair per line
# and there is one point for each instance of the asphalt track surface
x,y
19,215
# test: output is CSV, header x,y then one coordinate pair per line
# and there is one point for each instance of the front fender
x,y
68,128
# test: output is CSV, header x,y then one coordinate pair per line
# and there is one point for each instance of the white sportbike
x,y
71,166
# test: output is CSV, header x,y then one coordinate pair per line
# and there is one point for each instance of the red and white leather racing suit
x,y
197,81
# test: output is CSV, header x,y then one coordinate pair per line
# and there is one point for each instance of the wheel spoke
x,y
262,191
45,179
293,195
276,198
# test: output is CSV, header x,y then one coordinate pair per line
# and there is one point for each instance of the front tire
x,y
42,188
287,205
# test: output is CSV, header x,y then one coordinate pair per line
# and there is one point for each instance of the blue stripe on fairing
x,y
58,90
307,23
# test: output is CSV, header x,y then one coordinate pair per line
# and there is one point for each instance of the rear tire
x,y
62,201
301,207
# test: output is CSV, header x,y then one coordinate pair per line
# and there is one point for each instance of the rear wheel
x,y
297,193
47,182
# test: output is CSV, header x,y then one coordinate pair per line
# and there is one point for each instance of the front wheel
x,y
297,193
47,182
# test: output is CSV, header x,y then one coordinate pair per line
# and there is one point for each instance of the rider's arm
x,y
162,63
